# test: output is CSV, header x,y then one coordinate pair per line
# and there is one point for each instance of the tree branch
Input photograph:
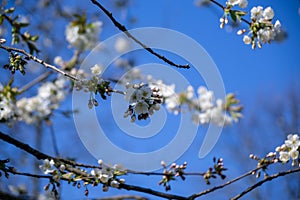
x,y
35,59
269,178
129,35
225,184
39,155
152,192
123,197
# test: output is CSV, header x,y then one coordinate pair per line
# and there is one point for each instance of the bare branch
x,y
129,35
225,184
34,81
123,197
269,178
152,192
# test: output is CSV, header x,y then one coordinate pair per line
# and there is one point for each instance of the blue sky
x,y
246,72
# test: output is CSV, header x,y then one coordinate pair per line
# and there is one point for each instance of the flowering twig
x,y
269,178
42,62
129,35
54,141
223,8
39,155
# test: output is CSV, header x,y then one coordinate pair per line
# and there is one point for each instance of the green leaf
x,y
233,15
34,38
1,19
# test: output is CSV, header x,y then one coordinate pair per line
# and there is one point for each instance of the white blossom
x,y
292,141
268,13
240,3
114,184
141,107
104,178
257,13
86,40
294,153
6,108
205,98
247,39
243,3
122,45
39,107
96,69
143,101
2,40
284,156
277,26
47,166
58,61
190,92
62,167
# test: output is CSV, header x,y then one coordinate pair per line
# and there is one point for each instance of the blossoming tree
x,y
40,83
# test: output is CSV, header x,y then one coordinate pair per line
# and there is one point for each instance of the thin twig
x,y
54,141
218,4
129,35
269,178
162,174
122,197
152,192
34,81
9,49
225,184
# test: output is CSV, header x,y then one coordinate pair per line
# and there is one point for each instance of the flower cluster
x,y
209,111
83,38
217,169
94,85
6,107
204,107
107,175
284,153
262,30
290,149
234,14
171,173
39,107
143,101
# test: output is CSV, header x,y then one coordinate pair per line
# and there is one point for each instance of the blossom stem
x,y
223,8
